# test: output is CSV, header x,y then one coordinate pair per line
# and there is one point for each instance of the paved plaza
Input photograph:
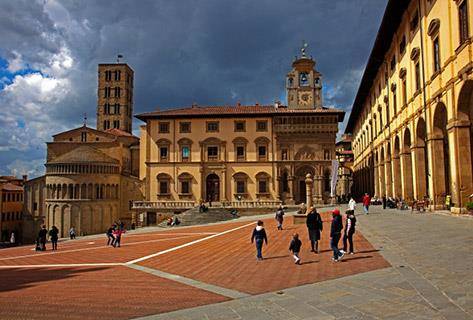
x,y
407,266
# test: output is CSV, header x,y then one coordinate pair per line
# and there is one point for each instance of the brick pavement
x,y
220,264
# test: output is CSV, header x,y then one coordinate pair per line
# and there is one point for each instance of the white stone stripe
x,y
42,253
55,265
191,282
186,244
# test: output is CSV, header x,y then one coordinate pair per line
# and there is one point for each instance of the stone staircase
x,y
194,217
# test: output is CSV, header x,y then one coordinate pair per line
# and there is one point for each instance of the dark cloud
x,y
209,51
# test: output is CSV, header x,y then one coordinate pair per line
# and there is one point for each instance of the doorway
x,y
213,188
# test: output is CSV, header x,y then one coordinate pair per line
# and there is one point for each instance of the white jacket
x,y
351,204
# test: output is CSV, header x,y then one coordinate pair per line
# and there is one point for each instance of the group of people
x,y
114,234
314,224
43,237
173,221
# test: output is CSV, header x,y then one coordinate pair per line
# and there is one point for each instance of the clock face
x,y
305,98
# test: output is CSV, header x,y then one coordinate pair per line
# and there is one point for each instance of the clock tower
x,y
304,83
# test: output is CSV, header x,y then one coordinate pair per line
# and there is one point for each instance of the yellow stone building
x,y
11,207
412,116
241,155
91,175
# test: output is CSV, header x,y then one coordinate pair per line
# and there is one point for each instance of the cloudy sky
x,y
211,52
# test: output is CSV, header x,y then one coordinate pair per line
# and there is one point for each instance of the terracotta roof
x,y
11,187
119,133
84,154
222,111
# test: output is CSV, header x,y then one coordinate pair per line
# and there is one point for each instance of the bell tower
x,y
115,96
304,83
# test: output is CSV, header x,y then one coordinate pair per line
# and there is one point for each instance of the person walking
x,y
43,233
384,202
53,235
111,238
314,227
349,231
280,217
118,236
335,234
295,248
72,233
12,239
366,202
258,236
352,205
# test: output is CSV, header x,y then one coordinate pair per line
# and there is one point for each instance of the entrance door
x,y
213,187
151,221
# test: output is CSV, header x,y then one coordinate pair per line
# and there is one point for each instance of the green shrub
x,y
469,205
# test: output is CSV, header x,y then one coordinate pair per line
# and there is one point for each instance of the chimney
x,y
238,104
257,104
277,103
194,105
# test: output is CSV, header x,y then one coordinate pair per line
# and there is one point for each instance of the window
x,y
404,93
83,136
393,63
417,75
290,82
116,124
303,79
239,126
262,125
212,126
185,153
163,153
117,92
117,75
106,124
108,75
436,54
163,127
240,153
327,155
116,108
106,108
106,92
212,153
394,103
284,154
402,45
185,127
185,187
463,21
240,186
262,153
262,186
415,21
163,187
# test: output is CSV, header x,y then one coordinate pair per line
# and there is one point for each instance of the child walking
x,y
295,248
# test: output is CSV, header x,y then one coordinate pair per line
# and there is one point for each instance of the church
x,y
91,174
234,154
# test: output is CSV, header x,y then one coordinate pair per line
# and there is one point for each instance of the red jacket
x,y
366,200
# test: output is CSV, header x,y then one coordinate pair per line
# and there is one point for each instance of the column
x,y
224,186
460,163
381,175
389,183
406,164
308,184
376,181
290,184
396,170
418,159
437,172
319,180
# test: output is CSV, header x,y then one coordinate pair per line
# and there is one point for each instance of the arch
x,y
421,159
240,174
327,179
441,161
262,140
212,140
85,220
240,140
185,175
163,142
97,219
465,135
407,140
163,175
262,174
185,141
